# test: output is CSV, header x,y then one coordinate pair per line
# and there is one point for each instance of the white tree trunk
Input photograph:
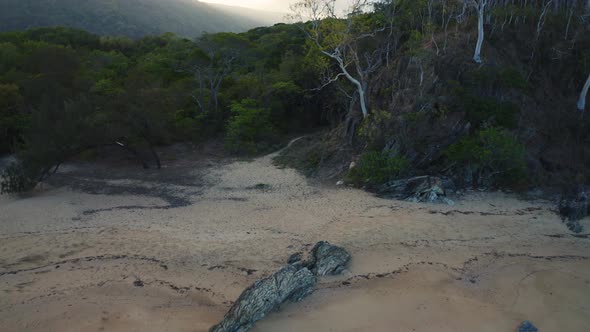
x,y
359,88
582,101
357,83
481,5
363,102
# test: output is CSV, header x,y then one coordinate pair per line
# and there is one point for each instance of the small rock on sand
x,y
527,326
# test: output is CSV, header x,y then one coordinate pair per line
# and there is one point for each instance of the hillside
x,y
131,18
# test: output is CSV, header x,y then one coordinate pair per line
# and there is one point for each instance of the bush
x,y
250,129
495,79
493,156
482,111
55,134
376,168
491,112
15,179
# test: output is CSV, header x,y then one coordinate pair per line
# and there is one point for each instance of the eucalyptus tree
x,y
586,87
480,6
348,41
583,95
213,61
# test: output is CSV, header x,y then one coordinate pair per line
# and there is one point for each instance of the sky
x,y
268,5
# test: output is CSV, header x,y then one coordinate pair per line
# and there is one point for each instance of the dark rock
x,y
424,189
527,326
574,205
326,259
138,283
296,257
290,283
6,161
260,186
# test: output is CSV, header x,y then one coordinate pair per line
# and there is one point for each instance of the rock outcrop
x,y
424,189
574,206
292,283
527,326
326,259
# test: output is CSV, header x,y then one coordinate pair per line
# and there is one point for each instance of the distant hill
x,y
132,18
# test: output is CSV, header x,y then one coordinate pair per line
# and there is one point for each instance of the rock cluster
x,y
291,283
326,259
424,189
575,205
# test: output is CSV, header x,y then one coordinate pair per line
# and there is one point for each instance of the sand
x,y
195,234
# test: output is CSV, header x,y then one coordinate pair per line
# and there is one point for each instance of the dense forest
x,y
132,18
488,92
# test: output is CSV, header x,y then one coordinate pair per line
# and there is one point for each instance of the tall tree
x,y
480,6
583,95
213,63
343,40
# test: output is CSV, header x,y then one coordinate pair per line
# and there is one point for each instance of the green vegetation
x,y
492,156
64,92
376,168
397,76
250,129
477,96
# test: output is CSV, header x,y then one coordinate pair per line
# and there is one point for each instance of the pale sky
x,y
269,5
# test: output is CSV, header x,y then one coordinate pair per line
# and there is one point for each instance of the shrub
x,y
376,168
494,78
250,129
491,112
15,179
375,129
493,156
482,110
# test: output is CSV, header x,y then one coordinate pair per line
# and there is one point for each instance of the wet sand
x,y
169,251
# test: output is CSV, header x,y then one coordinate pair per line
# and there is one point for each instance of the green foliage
x,y
149,91
493,156
9,56
488,111
493,78
375,129
13,120
376,168
415,43
249,129
56,133
482,110
477,96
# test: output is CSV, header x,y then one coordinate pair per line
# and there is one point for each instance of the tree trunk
x,y
359,88
134,153
582,100
480,30
155,156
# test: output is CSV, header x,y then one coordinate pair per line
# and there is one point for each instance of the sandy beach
x,y
99,249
